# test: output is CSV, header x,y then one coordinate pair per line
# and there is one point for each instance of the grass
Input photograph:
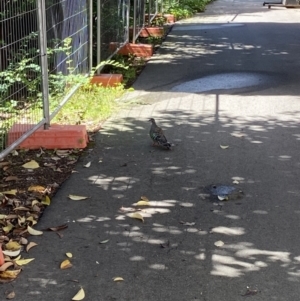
x,y
90,105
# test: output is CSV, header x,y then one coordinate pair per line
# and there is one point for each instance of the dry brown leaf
x,y
66,264
33,231
12,246
77,197
10,274
30,245
11,253
6,265
79,296
31,165
58,228
3,216
23,241
11,178
118,279
46,201
10,192
36,188
7,228
224,146
142,203
11,295
137,216
104,241
23,261
21,208
5,163
87,164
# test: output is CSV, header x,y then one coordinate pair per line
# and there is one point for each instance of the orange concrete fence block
x,y
107,80
139,50
1,256
56,137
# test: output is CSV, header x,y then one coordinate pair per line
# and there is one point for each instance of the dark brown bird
x,y
157,135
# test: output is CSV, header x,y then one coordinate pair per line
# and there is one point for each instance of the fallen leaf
x,y
79,296
118,279
66,264
68,254
11,178
10,274
23,241
77,197
10,192
250,292
5,163
31,165
137,216
87,164
104,241
236,182
142,203
224,146
23,261
34,202
7,228
58,228
21,208
36,188
3,216
30,245
144,198
15,153
6,265
11,295
33,231
12,246
219,243
223,198
46,201
11,253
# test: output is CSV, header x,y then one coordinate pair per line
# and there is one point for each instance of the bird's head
x,y
152,120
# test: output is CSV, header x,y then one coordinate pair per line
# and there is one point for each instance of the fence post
x,y
41,15
90,36
98,34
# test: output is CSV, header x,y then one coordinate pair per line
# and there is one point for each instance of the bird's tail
x,y
167,145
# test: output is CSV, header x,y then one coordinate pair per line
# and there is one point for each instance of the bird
x,y
157,135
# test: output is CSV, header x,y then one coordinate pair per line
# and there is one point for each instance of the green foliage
x,y
186,8
90,105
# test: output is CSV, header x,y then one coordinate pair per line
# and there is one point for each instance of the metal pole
x,y
134,21
41,14
90,36
127,20
98,34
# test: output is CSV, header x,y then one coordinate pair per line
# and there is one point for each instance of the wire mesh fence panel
x,y
137,14
20,71
113,25
67,30
152,9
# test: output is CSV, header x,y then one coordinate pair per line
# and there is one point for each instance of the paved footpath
x,y
228,77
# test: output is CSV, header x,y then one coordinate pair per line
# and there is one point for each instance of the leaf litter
x,y
28,181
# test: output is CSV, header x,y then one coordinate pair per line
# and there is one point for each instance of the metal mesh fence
x,y
112,25
67,33
20,72
43,44
152,9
